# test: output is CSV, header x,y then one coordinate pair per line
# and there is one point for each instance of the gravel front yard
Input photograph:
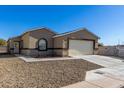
x,y
17,73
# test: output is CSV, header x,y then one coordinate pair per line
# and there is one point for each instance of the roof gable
x,y
75,31
32,30
35,29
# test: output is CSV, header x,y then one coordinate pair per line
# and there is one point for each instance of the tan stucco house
x,y
44,42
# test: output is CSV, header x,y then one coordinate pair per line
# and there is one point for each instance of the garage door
x,y
80,47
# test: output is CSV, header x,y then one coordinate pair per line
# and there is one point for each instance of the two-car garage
x,y
76,43
80,47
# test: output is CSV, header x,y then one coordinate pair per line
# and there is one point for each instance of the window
x,y
42,44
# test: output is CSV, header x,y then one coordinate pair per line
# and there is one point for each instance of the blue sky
x,y
105,21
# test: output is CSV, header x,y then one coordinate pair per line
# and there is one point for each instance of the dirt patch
x,y
17,73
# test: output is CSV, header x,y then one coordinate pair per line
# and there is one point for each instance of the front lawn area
x,y
17,73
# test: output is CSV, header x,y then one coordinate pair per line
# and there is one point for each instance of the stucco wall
x,y
38,34
35,36
58,42
25,39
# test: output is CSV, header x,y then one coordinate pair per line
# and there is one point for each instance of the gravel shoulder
x,y
17,73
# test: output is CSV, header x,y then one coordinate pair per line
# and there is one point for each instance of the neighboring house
x,y
44,42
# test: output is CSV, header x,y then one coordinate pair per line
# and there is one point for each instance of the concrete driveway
x,y
111,76
105,61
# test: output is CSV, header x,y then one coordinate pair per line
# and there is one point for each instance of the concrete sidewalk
x,y
30,59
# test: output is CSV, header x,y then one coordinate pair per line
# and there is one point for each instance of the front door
x,y
16,47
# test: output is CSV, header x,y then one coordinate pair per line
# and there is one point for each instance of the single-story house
x,y
44,42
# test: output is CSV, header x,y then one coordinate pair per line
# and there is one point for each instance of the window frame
x,y
39,45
